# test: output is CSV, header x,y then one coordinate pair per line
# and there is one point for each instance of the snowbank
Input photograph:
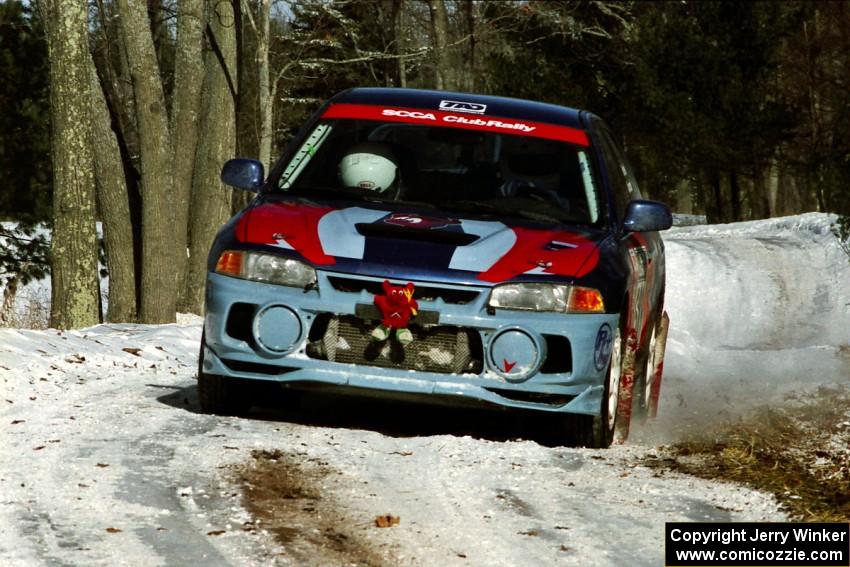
x,y
757,309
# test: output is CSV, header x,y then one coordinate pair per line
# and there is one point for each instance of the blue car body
x,y
466,347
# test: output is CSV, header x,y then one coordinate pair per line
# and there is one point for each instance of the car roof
x,y
496,105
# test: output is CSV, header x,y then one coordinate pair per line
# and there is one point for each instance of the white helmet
x,y
368,165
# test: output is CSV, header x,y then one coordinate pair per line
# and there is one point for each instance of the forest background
x,y
123,111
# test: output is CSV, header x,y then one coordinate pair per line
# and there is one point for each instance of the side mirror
x,y
247,174
647,216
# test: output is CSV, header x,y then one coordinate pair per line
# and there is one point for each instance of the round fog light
x,y
277,328
514,354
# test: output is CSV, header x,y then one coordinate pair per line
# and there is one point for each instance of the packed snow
x,y
105,458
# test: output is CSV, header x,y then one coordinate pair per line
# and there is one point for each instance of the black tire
x,y
643,374
221,395
598,431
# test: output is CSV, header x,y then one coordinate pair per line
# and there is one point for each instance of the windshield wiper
x,y
490,207
355,195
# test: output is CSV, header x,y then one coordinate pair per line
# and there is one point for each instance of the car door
x,y
643,251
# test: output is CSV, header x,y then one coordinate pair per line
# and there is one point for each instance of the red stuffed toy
x,y
397,306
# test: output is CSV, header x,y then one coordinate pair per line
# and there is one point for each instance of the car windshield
x,y
481,173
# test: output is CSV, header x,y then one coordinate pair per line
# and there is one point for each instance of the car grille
x,y
421,293
441,349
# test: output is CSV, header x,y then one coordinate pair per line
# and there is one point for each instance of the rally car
x,y
446,247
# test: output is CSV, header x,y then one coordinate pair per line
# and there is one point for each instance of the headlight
x,y
267,268
547,297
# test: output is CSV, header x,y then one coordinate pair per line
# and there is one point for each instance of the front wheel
x,y
598,431
221,395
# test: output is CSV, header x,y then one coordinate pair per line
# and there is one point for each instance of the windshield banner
x,y
457,120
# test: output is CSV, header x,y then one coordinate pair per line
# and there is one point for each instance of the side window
x,y
631,180
617,173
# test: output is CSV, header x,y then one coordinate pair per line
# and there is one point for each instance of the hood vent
x,y
435,236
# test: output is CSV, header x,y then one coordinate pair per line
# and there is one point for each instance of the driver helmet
x,y
369,165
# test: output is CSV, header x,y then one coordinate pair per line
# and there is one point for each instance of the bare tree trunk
x,y
467,82
155,17
262,29
7,310
117,84
759,198
210,198
684,199
114,203
185,110
159,279
774,204
735,195
397,15
74,295
439,39
714,209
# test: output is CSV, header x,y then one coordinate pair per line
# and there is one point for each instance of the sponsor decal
x,y
508,366
455,120
602,350
419,221
408,114
458,106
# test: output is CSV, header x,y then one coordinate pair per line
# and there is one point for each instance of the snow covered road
x,y
106,460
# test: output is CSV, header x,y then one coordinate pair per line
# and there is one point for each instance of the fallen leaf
x,y
113,531
564,548
133,351
387,521
216,532
17,421
102,465
39,448
76,359
402,453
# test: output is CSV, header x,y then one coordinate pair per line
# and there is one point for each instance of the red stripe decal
x,y
296,225
458,120
531,251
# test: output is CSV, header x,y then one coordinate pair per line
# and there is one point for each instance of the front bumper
x,y
260,352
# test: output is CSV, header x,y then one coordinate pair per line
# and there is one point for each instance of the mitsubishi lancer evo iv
x,y
444,247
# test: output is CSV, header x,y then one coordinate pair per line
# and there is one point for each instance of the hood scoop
x,y
432,235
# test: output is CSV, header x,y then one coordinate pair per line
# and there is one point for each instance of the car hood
x,y
386,241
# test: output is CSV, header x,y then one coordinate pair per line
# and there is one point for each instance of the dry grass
x,y
800,453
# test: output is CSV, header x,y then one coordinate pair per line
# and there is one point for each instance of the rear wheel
x,y
221,395
643,383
